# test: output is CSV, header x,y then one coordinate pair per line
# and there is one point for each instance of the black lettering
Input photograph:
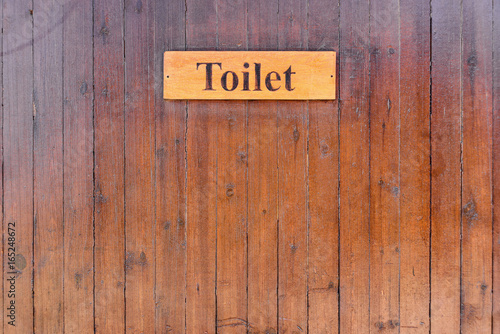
x,y
288,79
269,81
223,81
208,77
246,83
257,76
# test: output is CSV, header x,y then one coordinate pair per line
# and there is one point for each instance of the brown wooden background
x,y
377,212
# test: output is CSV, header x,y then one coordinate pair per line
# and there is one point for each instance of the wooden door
x,y
376,212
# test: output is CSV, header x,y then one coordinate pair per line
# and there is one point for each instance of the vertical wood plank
x,y
18,158
262,183
477,162
292,154
170,184
262,24
384,169
262,208
232,310
323,176
201,232
354,167
415,166
292,183
78,168
139,168
201,34
496,167
48,167
446,166
5,241
231,218
109,167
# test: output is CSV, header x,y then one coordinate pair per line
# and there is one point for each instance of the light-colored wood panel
x,y
249,75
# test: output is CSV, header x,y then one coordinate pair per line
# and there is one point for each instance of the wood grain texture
x,y
232,219
108,169
476,160
323,184
201,228
170,182
48,160
292,183
139,168
262,183
415,166
446,166
232,301
354,230
262,217
248,75
18,158
78,169
496,167
201,218
376,212
292,191
4,242
384,168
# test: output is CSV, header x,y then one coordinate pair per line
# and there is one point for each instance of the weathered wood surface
x,y
375,212
446,167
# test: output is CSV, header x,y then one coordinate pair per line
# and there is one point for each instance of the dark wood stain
x,y
374,213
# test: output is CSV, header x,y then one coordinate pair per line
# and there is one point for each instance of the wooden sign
x,y
249,75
